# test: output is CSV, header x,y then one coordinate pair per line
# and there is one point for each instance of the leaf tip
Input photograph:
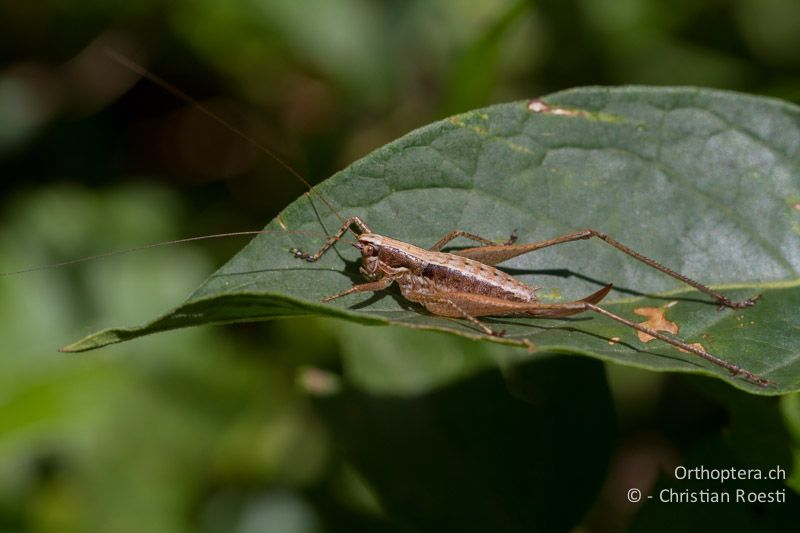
x,y
93,341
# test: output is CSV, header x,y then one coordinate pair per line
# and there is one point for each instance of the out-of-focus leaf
x,y
469,456
734,501
757,447
790,409
398,361
474,75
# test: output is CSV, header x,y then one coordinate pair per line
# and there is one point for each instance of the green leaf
x,y
703,181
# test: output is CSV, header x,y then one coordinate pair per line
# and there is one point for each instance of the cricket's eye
x,y
368,250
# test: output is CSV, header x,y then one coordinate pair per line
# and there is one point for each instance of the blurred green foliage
x,y
207,429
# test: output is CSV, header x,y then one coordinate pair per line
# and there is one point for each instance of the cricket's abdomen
x,y
458,274
431,273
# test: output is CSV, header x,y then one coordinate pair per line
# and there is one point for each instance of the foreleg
x,y
352,221
372,286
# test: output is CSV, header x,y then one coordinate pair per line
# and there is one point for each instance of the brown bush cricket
x,y
465,284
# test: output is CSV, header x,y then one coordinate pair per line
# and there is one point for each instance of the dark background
x,y
206,429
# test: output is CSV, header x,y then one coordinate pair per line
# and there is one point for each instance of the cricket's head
x,y
381,256
370,246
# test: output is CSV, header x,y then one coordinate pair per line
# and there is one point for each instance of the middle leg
x,y
471,236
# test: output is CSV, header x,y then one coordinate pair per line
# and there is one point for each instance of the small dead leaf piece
x,y
614,340
540,106
281,223
657,320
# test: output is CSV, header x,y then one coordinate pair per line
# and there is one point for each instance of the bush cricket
x,y
464,283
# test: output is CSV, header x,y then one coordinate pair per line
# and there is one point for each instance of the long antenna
x,y
135,249
167,86
138,69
